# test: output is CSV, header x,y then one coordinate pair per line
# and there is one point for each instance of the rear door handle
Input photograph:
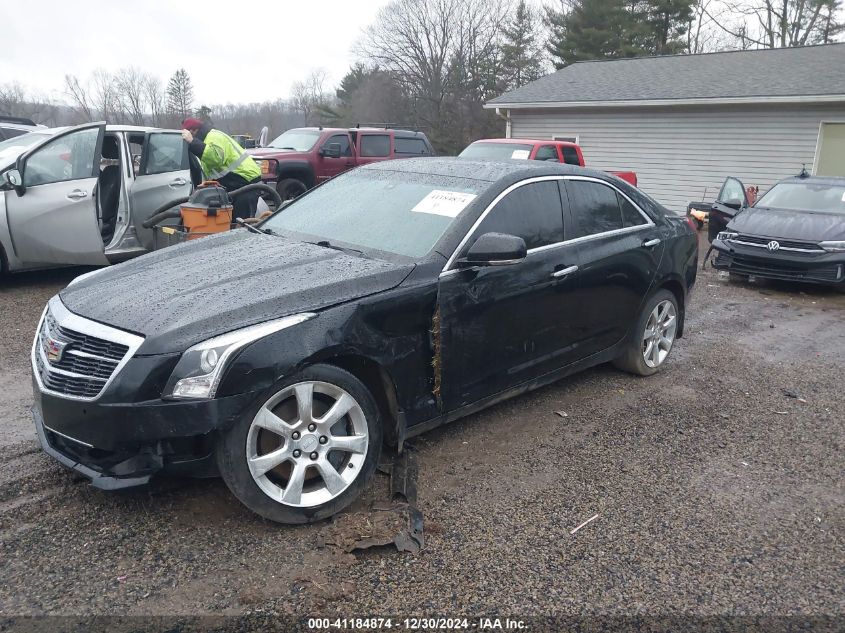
x,y
559,274
651,243
77,194
178,182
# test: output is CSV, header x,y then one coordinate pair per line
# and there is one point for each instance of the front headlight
x,y
726,235
833,247
198,373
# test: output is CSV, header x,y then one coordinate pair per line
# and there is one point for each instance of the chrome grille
x,y
77,358
789,245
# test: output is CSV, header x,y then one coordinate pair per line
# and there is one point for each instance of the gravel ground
x,y
716,494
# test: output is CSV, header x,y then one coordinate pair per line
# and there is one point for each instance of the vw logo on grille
x,y
773,246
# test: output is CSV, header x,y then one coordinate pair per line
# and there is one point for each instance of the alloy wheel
x,y
307,444
659,334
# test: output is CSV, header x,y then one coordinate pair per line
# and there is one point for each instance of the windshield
x,y
497,151
299,140
805,196
395,212
14,147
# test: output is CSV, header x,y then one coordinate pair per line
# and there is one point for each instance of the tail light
x,y
692,223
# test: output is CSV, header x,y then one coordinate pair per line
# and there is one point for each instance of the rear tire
x,y
654,336
307,450
290,188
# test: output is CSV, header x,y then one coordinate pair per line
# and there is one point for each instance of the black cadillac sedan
x,y
795,232
389,300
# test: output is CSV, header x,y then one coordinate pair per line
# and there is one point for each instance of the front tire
x,y
653,337
290,188
305,452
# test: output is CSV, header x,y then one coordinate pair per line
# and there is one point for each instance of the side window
x,y
164,153
343,140
410,146
731,190
630,215
68,157
546,152
570,156
532,212
373,145
594,207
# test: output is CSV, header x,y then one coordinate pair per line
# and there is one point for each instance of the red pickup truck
x,y
533,149
304,157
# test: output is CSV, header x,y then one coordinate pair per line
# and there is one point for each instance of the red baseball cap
x,y
191,124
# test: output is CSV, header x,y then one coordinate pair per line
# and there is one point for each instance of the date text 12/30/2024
x,y
417,624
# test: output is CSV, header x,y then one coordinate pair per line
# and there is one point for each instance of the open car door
x,y
164,175
730,201
52,213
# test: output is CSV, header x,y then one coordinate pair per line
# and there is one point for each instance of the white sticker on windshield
x,y
522,154
843,196
448,203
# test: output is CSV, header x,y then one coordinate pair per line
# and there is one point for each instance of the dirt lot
x,y
718,493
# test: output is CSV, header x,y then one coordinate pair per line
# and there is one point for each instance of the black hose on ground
x,y
164,212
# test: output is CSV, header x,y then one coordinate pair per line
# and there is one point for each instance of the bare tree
x,y
778,23
155,99
309,96
80,97
105,96
130,84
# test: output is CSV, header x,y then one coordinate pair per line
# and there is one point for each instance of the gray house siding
x,y
683,154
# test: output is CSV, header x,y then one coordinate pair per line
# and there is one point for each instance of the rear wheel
x,y
653,337
291,188
307,451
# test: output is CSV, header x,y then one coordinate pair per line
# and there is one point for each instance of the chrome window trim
x,y
66,318
447,269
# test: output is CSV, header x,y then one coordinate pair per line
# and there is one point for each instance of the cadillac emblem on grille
x,y
54,349
773,245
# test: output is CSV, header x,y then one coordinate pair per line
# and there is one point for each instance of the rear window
x,y
410,146
498,151
373,145
570,156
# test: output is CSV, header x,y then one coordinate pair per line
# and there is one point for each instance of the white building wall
x,y
683,154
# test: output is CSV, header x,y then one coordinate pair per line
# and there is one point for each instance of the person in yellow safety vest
x,y
225,161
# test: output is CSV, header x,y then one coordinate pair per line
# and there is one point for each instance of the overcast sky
x,y
235,52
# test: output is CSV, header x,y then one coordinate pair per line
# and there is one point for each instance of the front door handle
x,y
559,274
77,194
651,243
178,182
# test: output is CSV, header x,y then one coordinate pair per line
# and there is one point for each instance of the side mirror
x,y
734,203
496,249
13,177
330,150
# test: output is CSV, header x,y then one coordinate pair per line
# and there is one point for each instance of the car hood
x,y
793,225
184,294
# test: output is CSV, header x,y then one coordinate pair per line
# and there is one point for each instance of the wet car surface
x,y
717,484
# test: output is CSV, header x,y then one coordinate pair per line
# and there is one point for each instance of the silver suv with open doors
x,y
79,195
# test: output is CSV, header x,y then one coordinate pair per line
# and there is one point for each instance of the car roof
x,y
505,141
488,170
332,130
20,126
821,180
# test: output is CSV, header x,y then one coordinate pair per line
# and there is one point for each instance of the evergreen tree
x,y
204,113
522,48
667,22
595,29
180,95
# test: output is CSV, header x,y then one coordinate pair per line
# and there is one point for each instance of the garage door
x,y
830,158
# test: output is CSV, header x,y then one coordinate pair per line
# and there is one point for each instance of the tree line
x,y
432,64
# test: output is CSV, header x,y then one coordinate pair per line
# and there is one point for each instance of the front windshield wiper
x,y
254,229
327,244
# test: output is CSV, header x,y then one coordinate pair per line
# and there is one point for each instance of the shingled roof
x,y
784,74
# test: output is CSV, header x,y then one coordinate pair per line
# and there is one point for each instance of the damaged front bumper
x,y
123,446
